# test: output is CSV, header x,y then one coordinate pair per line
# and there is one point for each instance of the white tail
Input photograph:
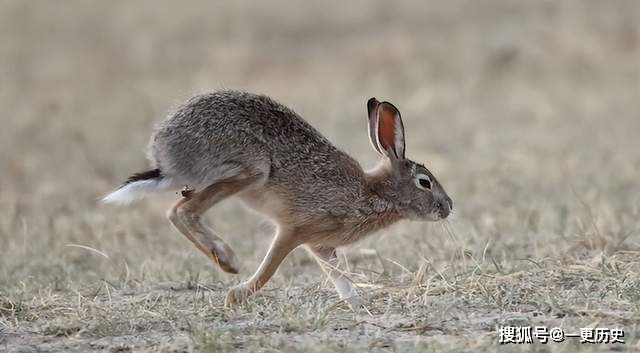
x,y
137,187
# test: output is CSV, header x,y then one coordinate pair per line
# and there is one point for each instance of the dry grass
x,y
528,112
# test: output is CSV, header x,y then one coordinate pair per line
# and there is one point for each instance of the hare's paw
x,y
237,295
222,254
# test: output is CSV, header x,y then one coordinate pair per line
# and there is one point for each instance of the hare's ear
x,y
372,111
386,130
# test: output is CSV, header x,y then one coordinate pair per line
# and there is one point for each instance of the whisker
x,y
447,227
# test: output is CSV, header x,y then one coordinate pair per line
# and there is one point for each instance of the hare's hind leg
x,y
186,214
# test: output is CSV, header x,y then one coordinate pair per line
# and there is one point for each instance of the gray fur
x,y
214,136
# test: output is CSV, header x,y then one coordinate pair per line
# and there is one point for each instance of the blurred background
x,y
527,112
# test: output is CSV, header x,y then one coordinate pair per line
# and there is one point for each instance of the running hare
x,y
234,143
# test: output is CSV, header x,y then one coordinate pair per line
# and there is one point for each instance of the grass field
x,y
527,112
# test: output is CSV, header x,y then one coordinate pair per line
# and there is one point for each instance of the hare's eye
x,y
423,181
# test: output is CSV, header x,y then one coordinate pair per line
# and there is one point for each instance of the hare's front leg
x,y
328,261
283,243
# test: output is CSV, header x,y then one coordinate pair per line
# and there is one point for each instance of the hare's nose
x,y
450,202
444,207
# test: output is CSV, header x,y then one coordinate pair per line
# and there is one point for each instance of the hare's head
x,y
409,185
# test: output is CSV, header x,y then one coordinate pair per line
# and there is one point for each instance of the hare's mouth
x,y
429,217
444,213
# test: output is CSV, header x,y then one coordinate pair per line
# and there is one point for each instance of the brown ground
x,y
528,112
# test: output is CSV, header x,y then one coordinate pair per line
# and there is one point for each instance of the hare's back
x,y
218,133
